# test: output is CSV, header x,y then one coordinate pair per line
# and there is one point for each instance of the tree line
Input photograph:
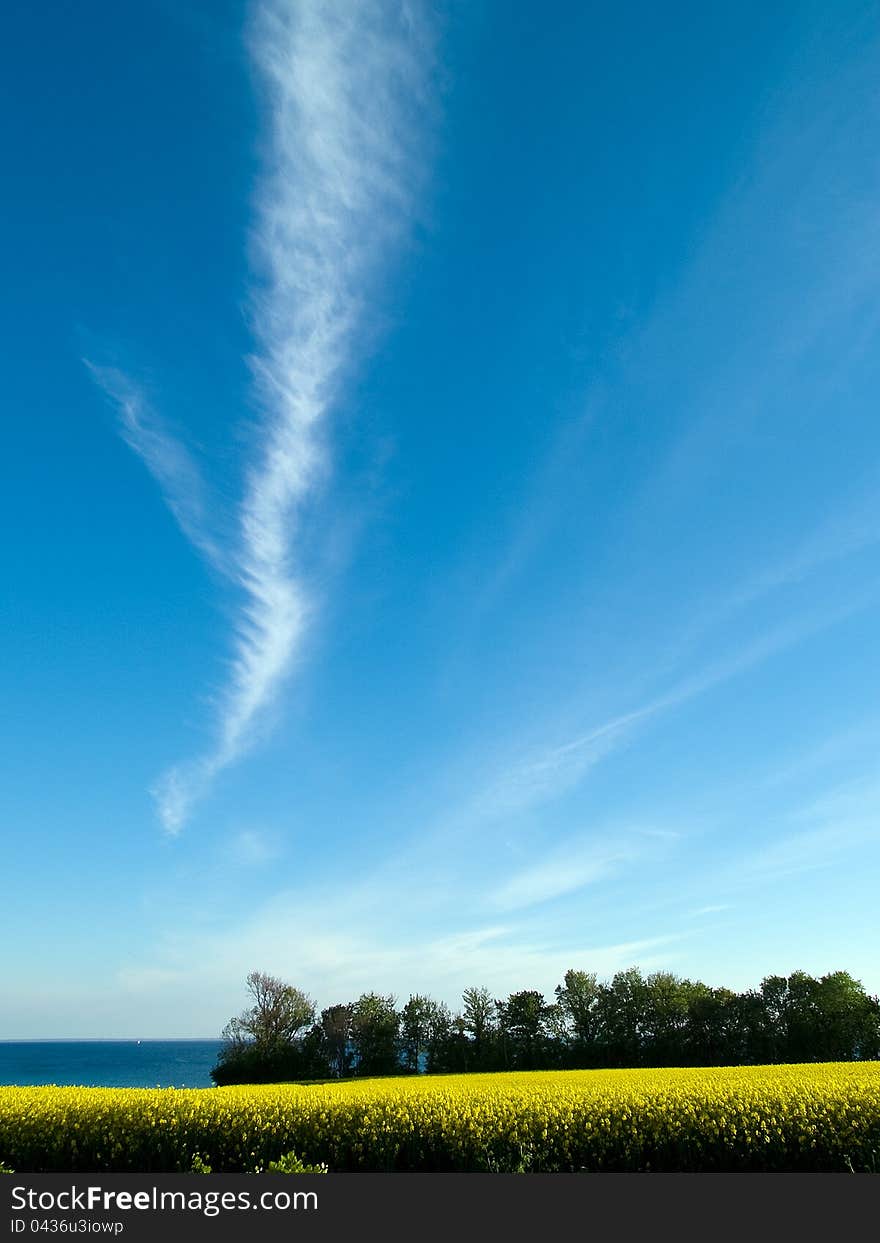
x,y
630,1020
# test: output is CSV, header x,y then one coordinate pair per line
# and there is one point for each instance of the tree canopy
x,y
631,1020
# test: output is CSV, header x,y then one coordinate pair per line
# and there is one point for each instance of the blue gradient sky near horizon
x,y
441,485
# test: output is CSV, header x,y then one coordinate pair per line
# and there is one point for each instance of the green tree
x,y
523,1020
417,1021
621,1014
375,1025
278,1014
787,1018
557,1038
455,1054
847,1020
314,1054
711,1036
439,1031
263,1044
578,998
665,1017
754,1039
479,1015
336,1026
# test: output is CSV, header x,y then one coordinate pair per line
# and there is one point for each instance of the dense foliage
x,y
629,1021
772,1118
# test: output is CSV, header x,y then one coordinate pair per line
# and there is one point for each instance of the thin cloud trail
x,y
343,83
168,461
549,772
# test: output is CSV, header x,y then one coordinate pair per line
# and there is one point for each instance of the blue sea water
x,y
109,1063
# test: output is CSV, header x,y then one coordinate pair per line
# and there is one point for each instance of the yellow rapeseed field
x,y
809,1117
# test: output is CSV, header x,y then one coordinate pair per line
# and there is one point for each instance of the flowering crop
x,y
822,1116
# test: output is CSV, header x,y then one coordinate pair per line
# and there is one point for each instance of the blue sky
x,y
440,481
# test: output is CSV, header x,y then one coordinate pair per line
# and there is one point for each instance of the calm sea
x,y
109,1063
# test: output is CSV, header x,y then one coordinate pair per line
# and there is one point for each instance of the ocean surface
x,y
109,1063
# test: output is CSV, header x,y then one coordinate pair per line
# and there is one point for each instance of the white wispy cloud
x,y
548,772
840,825
851,529
167,459
252,847
850,746
574,864
337,957
342,85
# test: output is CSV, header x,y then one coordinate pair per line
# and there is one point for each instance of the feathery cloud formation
x,y
168,461
342,84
